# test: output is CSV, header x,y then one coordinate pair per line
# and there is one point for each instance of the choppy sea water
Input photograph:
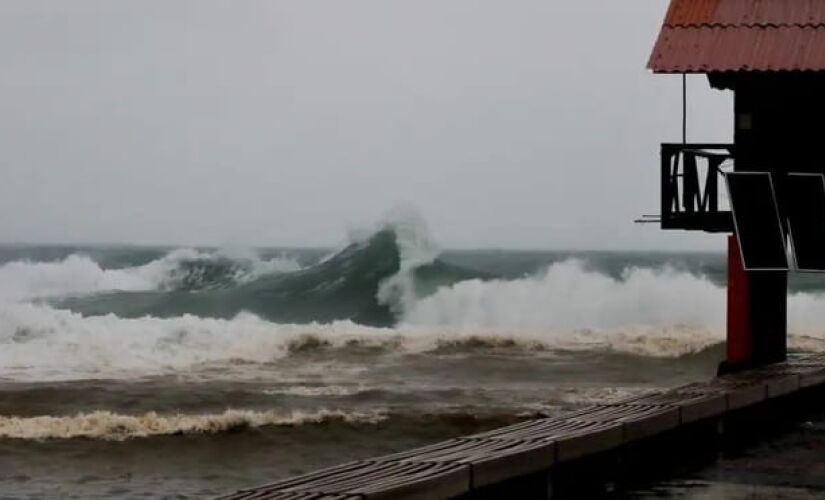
x,y
144,372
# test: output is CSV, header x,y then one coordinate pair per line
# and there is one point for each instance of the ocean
x,y
138,372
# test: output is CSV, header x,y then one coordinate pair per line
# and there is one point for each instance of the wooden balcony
x,y
691,175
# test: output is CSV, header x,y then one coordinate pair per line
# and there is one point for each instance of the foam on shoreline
x,y
117,427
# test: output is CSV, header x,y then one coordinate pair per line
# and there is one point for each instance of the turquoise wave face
x,y
342,287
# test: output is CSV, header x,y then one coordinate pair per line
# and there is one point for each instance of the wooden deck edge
x,y
536,457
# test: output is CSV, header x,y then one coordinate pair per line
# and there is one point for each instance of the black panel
x,y
805,210
756,217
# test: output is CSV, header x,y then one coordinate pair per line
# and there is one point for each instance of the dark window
x,y
756,218
805,210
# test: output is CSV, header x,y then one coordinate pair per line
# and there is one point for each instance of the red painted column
x,y
740,332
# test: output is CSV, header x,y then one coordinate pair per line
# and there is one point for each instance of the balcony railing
x,y
691,176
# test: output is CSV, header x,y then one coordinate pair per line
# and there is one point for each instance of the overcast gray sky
x,y
515,124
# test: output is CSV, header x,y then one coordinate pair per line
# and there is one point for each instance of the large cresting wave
x,y
389,292
370,282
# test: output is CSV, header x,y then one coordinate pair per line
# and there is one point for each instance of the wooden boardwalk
x,y
470,464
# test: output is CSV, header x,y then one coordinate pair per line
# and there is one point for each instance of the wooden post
x,y
739,341
757,314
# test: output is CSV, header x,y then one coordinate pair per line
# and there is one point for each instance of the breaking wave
x,y
42,343
38,342
106,425
385,294
568,296
181,269
371,282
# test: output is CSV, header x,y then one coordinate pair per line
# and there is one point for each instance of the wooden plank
x,y
514,430
394,480
490,460
460,450
599,437
545,429
520,459
693,406
421,451
574,438
297,481
266,493
739,393
419,482
779,379
638,421
374,480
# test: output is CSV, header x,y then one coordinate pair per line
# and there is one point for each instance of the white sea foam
x,y
659,312
647,312
45,343
317,391
567,297
252,265
79,274
76,274
113,426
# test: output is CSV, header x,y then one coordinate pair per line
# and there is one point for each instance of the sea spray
x,y
186,268
415,249
76,274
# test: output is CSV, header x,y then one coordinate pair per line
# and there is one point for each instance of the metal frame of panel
x,y
776,212
790,226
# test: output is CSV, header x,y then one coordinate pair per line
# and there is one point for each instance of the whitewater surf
x,y
141,363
